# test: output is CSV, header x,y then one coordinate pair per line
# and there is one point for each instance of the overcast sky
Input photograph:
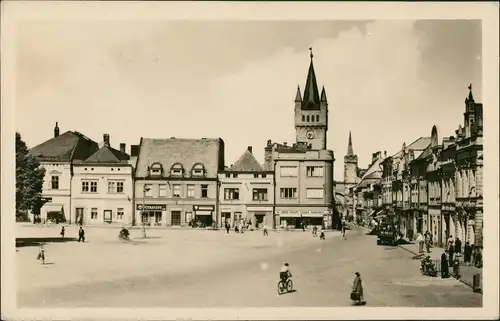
x,y
386,81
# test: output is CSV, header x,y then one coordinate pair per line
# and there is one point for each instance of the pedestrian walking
x,y
467,253
427,241
315,231
342,233
420,241
458,246
81,235
450,241
227,227
451,253
41,254
357,289
265,230
62,232
444,266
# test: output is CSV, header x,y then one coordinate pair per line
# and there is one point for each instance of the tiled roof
x,y
426,153
246,163
188,152
67,147
107,155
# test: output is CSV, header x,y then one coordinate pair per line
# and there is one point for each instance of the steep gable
x,y
107,155
246,163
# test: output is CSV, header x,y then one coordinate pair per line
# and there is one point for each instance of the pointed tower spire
x,y
350,151
471,97
323,94
298,96
311,92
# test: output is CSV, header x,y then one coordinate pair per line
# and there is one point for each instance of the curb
x,y
460,280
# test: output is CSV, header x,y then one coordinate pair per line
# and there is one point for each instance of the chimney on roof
x,y
105,138
249,148
134,150
285,144
385,154
56,130
122,147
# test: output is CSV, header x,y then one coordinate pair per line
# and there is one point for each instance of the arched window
x,y
177,170
307,117
155,169
303,117
198,170
317,118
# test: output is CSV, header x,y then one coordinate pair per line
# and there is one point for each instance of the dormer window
x,y
155,169
198,170
177,170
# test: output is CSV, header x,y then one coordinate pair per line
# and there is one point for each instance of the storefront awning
x,y
53,207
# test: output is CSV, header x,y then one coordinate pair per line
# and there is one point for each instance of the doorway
x,y
176,218
79,215
107,216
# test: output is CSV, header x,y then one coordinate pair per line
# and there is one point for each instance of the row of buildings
x,y
174,181
432,184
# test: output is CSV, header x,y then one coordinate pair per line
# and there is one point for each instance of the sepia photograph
x,y
168,156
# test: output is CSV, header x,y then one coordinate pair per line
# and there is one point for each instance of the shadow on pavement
x,y
36,241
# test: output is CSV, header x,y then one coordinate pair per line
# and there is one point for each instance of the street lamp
x,y
144,190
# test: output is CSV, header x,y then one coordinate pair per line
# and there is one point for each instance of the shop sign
x,y
203,207
151,207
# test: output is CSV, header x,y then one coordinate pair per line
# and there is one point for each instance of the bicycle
x,y
286,286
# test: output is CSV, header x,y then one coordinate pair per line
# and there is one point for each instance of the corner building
x,y
303,184
176,181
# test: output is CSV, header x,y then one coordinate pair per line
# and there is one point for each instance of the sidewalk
x,y
467,272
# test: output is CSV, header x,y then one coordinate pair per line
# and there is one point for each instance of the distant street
x,y
322,274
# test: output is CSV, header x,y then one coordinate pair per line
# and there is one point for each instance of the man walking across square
x,y
81,235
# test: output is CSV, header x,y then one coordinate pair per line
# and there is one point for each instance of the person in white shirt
x,y
285,272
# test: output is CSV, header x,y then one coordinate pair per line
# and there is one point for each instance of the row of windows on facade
x,y
156,169
260,194
311,118
465,187
90,186
107,214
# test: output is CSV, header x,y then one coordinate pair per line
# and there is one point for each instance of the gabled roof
x,y
246,163
67,147
426,153
107,155
185,151
419,144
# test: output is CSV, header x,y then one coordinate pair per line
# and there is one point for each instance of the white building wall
x,y
103,200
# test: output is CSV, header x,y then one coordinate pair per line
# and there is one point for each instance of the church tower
x,y
350,164
311,112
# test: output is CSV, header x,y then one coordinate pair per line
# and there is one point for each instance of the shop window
x,y
119,214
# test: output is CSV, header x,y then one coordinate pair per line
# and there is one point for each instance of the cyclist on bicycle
x,y
285,272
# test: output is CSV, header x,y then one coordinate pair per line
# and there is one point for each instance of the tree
x,y
29,179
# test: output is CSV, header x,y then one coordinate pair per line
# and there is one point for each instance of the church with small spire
x,y
350,165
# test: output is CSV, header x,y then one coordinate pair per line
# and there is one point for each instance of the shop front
x,y
260,216
297,218
152,214
203,214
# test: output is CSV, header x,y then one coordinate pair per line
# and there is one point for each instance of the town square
x,y
247,164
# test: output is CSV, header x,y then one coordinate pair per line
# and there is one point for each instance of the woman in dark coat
x,y
357,287
467,253
458,246
451,252
444,266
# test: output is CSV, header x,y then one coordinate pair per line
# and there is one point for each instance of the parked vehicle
x,y
387,234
